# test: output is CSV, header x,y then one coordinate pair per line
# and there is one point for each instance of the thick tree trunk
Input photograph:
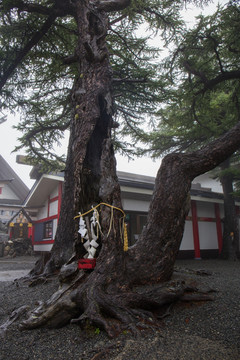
x,y
161,237
114,291
90,128
230,230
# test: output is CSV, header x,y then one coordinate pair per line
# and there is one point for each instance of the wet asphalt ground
x,y
192,331
14,268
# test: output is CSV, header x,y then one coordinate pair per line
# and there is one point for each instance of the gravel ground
x,y
207,331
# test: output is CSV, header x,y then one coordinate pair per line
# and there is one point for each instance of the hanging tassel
x,y
90,247
125,243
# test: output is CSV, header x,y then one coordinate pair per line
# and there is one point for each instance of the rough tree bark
x,y
114,291
113,296
90,128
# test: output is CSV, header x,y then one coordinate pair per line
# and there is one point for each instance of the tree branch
x,y
193,107
157,14
215,152
71,59
22,53
195,72
59,7
126,80
209,84
125,43
40,156
228,75
42,128
120,18
23,6
127,113
113,5
215,45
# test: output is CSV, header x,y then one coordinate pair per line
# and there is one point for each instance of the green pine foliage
x,y
203,92
36,76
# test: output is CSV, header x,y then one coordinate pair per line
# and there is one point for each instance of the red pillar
x,y
195,230
219,228
29,230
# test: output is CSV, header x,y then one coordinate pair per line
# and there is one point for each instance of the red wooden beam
x,y
53,199
43,242
49,218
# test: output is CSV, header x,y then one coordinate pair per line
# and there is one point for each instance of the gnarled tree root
x,y
114,312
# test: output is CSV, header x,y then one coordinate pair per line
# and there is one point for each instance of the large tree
x,y
203,101
56,68
116,289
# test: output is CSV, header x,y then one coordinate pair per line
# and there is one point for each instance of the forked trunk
x,y
113,291
152,258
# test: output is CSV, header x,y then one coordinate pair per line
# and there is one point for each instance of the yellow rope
x,y
95,207
125,241
111,222
125,237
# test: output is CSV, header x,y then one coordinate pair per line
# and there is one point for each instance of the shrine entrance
x,y
20,226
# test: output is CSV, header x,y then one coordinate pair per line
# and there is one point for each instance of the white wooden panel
x,y
44,247
53,208
7,193
135,205
207,235
187,240
43,212
54,193
55,222
206,181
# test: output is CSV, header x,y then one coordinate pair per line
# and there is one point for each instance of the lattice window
x,y
48,230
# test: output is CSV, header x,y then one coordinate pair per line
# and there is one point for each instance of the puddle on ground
x,y
11,275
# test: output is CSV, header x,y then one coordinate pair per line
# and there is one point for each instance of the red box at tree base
x,y
86,263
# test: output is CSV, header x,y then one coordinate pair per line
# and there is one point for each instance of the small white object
x,y
87,245
90,246
94,244
82,229
92,252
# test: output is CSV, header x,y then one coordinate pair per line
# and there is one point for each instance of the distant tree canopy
x,y
202,74
203,100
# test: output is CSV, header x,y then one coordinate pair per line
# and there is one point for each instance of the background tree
x,y
203,101
113,291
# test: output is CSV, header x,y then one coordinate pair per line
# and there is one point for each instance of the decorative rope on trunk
x,y
91,246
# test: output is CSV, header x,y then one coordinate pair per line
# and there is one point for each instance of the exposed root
x,y
13,317
200,272
57,311
197,297
166,313
87,300
126,310
40,280
102,352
